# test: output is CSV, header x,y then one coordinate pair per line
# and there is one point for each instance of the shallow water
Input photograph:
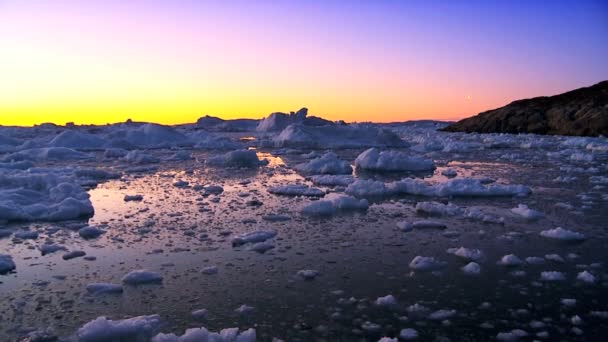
x,y
362,255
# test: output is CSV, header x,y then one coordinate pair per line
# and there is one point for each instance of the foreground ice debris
x,y
510,260
237,159
552,276
423,264
586,277
388,301
527,213
253,237
471,268
560,233
104,288
296,190
471,254
332,180
463,187
374,160
203,335
101,329
138,277
308,274
89,232
334,203
6,263
408,334
329,164
42,197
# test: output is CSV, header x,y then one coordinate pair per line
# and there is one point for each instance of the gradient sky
x,y
174,61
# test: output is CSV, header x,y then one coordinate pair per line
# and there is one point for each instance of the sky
x,y
174,61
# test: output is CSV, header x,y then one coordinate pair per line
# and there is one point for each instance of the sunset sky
x,y
174,61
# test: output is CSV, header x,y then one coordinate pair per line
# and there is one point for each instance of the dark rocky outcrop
x,y
581,112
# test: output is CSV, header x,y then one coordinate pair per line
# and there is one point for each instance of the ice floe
x,y
334,203
101,329
329,163
375,160
560,233
138,277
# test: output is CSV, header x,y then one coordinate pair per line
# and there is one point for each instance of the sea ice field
x,y
295,231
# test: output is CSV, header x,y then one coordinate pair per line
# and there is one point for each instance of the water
x,y
363,255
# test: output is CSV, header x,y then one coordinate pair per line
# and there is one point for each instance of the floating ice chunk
x,y
560,233
6,263
370,327
138,277
374,160
552,276
467,253
237,159
104,288
464,187
276,218
308,274
101,329
181,184
336,136
535,260
421,224
554,257
388,301
209,270
213,190
42,196
568,301
73,255
367,188
133,198
49,248
408,334
527,213
200,314
511,336
296,190
261,247
253,237
586,277
26,234
450,173
420,263
441,315
333,203
244,309
471,268
438,209
332,180
147,135
90,232
510,260
203,335
329,163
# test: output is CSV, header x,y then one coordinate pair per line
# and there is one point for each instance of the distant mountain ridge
x,y
582,112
